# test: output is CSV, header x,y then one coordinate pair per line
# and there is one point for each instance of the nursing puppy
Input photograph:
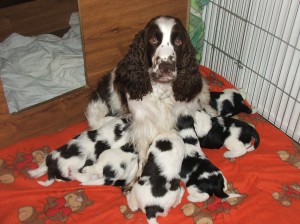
x,y
157,79
201,177
84,150
158,188
116,166
235,135
229,102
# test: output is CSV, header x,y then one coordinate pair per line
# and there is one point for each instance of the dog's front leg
x,y
141,164
128,187
179,197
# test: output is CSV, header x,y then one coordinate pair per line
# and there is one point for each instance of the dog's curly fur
x,y
156,80
132,71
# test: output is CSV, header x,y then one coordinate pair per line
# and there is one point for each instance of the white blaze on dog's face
x,y
164,41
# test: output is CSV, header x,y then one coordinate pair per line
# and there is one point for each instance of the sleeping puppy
x,y
158,188
201,177
116,166
229,102
83,150
235,135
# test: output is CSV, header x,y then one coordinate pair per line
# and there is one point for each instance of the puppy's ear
x,y
188,82
132,71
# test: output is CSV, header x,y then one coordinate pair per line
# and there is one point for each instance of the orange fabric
x,y
269,184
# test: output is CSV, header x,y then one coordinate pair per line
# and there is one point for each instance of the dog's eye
x,y
178,41
153,40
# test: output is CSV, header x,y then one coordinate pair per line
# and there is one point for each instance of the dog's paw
x,y
234,154
230,155
201,197
33,173
85,169
250,149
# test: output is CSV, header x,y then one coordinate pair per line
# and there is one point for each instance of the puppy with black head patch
x,y
229,102
235,135
86,149
158,189
116,166
202,178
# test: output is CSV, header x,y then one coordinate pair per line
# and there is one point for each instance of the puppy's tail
x,y
255,135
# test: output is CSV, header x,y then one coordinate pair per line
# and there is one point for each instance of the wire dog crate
x,y
255,45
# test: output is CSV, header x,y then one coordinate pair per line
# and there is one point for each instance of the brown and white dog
x,y
157,80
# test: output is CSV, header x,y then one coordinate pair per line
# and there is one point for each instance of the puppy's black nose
x,y
166,67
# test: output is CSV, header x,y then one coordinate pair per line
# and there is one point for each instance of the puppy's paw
x,y
33,173
229,155
201,197
250,149
233,154
86,169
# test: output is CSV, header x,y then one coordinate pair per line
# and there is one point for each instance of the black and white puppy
x,y
202,178
235,135
229,102
156,80
86,149
116,166
158,188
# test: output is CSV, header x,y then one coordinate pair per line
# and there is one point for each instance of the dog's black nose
x,y
166,67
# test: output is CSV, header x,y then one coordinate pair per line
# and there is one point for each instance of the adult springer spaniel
x,y
157,80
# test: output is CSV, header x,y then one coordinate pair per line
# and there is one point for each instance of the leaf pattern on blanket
x,y
25,161
207,211
22,162
58,209
7,175
289,193
292,158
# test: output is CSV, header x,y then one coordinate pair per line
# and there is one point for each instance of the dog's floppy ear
x,y
188,82
132,71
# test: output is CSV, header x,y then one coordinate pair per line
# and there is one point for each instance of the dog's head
x,y
164,38
162,52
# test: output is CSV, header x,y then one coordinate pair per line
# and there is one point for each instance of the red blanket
x,y
268,180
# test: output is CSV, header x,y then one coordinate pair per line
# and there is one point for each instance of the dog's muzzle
x,y
164,70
